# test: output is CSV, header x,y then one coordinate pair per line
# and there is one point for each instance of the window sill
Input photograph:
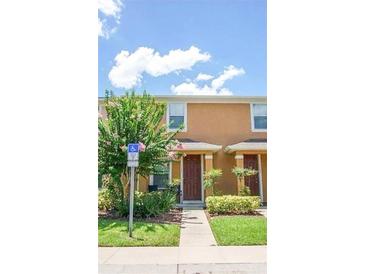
x,y
259,130
172,130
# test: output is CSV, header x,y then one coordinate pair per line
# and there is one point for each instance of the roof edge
x,y
208,98
246,146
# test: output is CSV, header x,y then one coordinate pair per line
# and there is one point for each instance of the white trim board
x,y
188,146
201,176
260,178
246,146
212,99
182,179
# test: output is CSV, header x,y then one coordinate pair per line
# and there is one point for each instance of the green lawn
x,y
115,233
239,230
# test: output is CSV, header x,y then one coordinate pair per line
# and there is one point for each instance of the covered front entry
x,y
189,169
192,180
252,153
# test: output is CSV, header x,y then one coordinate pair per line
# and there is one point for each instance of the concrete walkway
x,y
195,229
262,211
186,260
197,253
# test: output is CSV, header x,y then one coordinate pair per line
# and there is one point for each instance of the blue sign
x,y
133,148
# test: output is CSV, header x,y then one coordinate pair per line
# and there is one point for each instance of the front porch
x,y
198,158
252,153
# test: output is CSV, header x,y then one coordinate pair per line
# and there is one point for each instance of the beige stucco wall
x,y
175,170
222,124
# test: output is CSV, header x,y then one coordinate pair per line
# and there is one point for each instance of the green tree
x,y
241,173
132,119
210,178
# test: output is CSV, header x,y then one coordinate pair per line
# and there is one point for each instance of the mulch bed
x,y
172,217
210,216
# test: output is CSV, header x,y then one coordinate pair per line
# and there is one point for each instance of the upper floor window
x,y
176,115
258,117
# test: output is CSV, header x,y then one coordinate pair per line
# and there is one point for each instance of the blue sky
x,y
162,46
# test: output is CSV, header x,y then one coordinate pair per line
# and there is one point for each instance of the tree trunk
x,y
124,178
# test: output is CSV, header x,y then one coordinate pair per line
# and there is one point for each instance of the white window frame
x,y
253,129
185,129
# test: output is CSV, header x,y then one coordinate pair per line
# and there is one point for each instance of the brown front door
x,y
252,181
192,177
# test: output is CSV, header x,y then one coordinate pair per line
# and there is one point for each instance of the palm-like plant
x,y
241,173
210,178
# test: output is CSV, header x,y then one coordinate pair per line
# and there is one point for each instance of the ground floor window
x,y
160,179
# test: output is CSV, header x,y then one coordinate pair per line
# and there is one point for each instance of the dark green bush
x,y
145,204
245,191
154,203
229,204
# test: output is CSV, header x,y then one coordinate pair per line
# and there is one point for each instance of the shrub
x,y
245,191
105,200
154,203
229,204
175,182
145,204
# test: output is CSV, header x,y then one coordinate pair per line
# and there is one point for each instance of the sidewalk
x,y
146,260
195,229
197,253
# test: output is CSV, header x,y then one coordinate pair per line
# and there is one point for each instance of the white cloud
x,y
193,89
108,8
129,67
216,87
227,74
204,77
104,30
187,88
100,27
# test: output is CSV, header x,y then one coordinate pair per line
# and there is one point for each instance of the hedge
x,y
229,204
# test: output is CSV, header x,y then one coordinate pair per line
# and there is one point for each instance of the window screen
x,y
176,115
161,177
260,116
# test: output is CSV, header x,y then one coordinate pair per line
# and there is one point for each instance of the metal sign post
x,y
131,201
133,156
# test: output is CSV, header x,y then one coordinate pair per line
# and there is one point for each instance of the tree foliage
x,y
132,119
241,172
211,176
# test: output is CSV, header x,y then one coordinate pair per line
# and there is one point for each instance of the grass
x,y
115,233
239,230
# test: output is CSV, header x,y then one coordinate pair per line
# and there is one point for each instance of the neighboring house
x,y
219,132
